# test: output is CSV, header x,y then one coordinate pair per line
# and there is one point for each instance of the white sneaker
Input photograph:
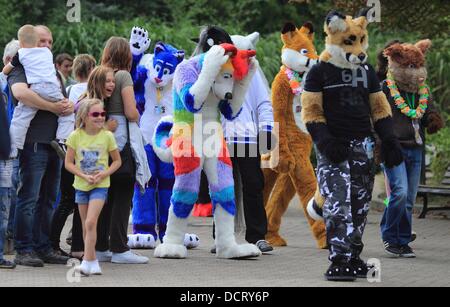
x,y
128,258
84,268
104,256
95,268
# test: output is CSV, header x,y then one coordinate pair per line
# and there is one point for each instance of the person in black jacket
x,y
403,67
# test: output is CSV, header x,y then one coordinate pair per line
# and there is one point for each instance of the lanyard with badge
x,y
159,109
415,121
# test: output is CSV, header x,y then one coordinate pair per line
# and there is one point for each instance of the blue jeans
x,y
396,225
5,203
15,186
85,197
40,173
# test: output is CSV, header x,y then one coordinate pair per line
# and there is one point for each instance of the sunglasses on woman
x,y
97,114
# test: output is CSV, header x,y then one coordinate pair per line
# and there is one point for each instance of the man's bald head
x,y
45,36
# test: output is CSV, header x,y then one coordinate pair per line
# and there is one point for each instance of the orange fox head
x,y
298,53
347,39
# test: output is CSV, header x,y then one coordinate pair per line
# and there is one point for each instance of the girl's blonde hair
x,y
83,110
83,65
96,83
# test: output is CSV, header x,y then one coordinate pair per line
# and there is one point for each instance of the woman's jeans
x,y
396,225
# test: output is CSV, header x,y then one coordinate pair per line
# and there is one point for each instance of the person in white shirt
x,y
83,65
41,75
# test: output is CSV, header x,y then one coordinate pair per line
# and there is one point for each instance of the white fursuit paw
x,y
171,251
141,241
237,251
191,241
139,40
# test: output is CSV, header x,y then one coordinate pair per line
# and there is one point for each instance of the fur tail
x,y
162,139
315,206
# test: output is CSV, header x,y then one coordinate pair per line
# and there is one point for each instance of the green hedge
x,y
89,37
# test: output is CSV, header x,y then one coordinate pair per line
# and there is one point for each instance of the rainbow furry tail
x,y
162,139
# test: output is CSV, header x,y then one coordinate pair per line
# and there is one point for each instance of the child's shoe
x,y
95,268
84,268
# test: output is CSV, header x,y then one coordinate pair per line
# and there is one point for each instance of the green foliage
x,y
7,21
441,152
177,22
439,73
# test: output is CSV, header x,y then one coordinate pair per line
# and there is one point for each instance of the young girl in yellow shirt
x,y
88,150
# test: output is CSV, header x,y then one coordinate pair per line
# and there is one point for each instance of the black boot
x,y
361,267
340,271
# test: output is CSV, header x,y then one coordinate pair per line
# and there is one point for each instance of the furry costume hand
x,y
215,58
335,150
391,152
212,64
435,123
241,86
139,41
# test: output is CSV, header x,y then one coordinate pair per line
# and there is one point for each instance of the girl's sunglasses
x,y
97,114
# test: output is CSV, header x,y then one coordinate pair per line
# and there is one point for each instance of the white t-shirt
x,y
76,91
256,113
38,65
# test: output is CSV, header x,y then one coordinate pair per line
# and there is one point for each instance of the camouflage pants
x,y
347,188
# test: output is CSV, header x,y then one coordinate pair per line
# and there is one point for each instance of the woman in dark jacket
x,y
403,68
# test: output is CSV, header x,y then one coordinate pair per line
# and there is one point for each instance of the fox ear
x,y
335,22
424,45
160,47
288,31
308,29
288,27
179,55
254,38
395,51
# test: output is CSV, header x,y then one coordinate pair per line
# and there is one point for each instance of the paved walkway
x,y
299,264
